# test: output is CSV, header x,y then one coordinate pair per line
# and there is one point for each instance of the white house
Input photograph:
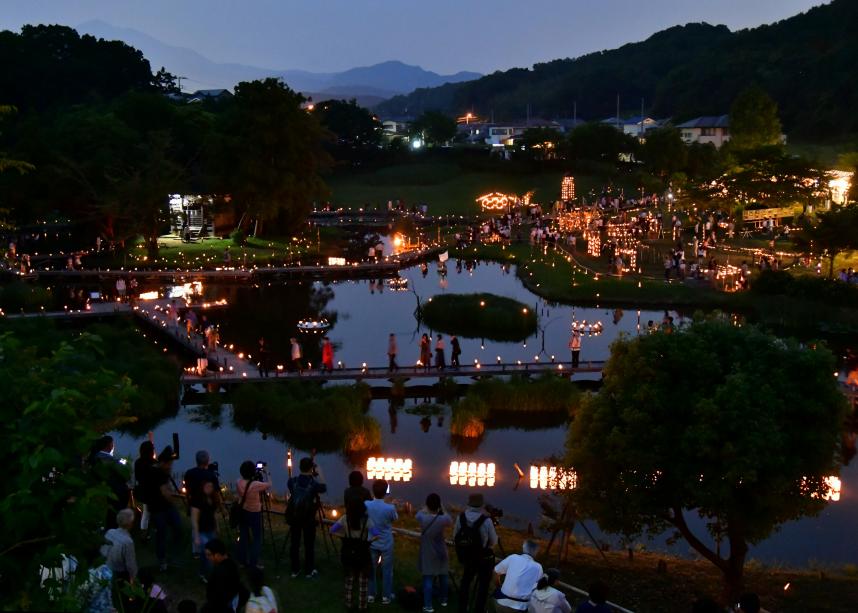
x,y
715,130
396,126
634,126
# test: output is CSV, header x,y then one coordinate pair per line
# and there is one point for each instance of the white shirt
x,y
266,603
521,574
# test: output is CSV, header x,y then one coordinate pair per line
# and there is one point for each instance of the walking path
x,y
366,270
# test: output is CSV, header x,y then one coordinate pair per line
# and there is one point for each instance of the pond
x,y
362,315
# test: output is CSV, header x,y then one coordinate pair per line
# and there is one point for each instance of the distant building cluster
x,y
713,130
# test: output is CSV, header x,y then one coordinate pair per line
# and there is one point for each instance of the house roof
x,y
714,121
211,93
631,121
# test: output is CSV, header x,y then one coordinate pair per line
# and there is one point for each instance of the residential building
x,y
705,130
636,126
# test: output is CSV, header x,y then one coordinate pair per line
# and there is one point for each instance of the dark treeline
x,y
806,63
105,141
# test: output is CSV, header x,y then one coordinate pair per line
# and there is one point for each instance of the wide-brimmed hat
x,y
476,501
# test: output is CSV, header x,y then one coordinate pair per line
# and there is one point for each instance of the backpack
x,y
302,504
469,542
355,554
237,506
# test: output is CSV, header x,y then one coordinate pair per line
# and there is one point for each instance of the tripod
x,y
266,510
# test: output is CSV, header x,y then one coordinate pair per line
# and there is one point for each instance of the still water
x,y
363,314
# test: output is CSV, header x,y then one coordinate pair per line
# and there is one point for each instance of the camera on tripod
x,y
261,470
215,468
495,513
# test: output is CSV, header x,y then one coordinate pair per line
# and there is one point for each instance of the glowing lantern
x,y
567,188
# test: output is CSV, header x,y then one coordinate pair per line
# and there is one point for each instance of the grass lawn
x,y
635,583
550,275
208,253
445,186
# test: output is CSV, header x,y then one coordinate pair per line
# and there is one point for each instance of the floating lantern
x,y
313,326
552,478
472,474
390,469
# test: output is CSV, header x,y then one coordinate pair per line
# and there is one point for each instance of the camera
x,y
215,468
495,513
261,470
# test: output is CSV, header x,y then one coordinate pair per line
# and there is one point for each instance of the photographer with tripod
x,y
475,538
251,488
301,515
203,492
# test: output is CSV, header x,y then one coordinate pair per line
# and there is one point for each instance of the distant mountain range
x,y
807,63
370,84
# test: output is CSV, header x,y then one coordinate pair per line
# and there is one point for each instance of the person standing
x,y
575,347
433,560
115,476
358,532
119,547
391,353
141,471
455,351
425,351
383,515
264,359
204,523
296,356
475,537
356,490
250,491
304,491
520,574
160,491
327,355
440,360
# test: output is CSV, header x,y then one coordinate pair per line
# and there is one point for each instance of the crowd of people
x,y
150,503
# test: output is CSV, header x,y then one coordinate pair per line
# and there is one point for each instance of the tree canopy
x,y
434,128
754,121
270,153
720,421
830,233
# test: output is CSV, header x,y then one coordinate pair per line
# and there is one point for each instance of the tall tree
x,y
270,155
723,422
663,152
434,127
541,143
353,126
754,121
598,142
830,234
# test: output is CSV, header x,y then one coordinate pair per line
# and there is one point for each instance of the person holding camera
x,y
251,487
475,537
433,560
304,491
160,490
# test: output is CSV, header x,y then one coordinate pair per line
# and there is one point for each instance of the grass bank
x,y
480,316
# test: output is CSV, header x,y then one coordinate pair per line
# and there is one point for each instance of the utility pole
x,y
618,111
640,131
574,114
179,81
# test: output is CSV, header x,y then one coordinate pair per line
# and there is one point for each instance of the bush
x,y
480,316
818,289
238,237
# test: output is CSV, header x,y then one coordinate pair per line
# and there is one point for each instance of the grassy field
x,y
445,186
636,582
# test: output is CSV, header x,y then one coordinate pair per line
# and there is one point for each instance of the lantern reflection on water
x,y
390,469
472,474
552,478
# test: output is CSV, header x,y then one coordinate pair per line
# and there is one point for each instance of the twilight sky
x,y
441,35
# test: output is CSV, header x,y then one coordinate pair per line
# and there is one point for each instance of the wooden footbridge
x,y
229,373
386,267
